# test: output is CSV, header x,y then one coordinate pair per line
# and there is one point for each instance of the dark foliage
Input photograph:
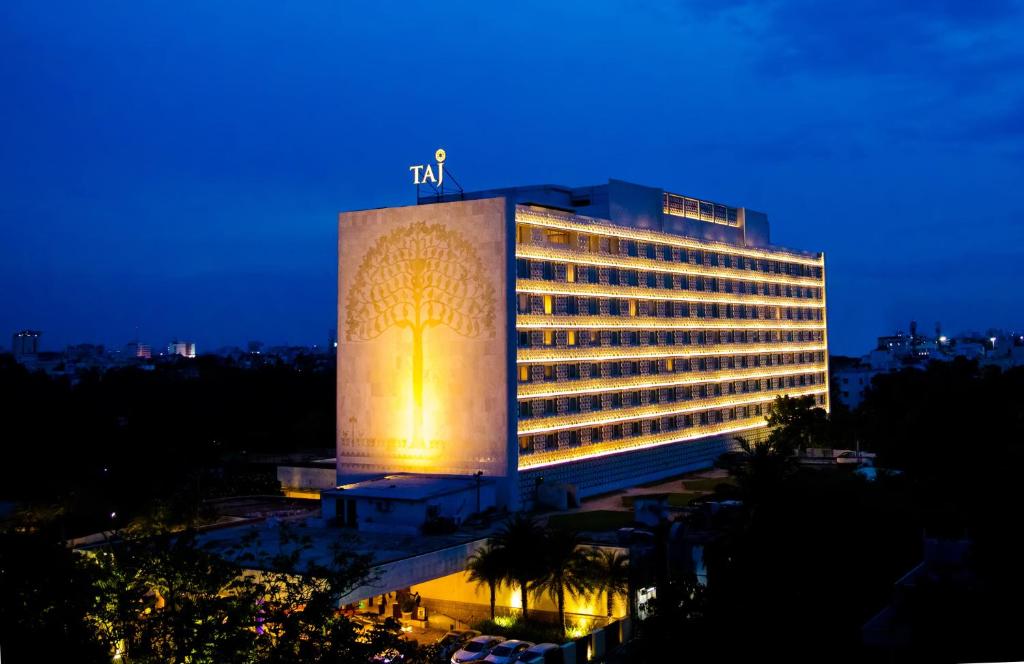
x,y
116,441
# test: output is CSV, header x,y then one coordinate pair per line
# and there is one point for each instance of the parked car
x,y
542,653
507,652
476,649
453,640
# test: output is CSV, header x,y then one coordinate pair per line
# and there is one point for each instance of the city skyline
x,y
185,181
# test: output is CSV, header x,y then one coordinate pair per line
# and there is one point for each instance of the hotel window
x,y
549,337
571,338
557,237
547,304
524,374
570,273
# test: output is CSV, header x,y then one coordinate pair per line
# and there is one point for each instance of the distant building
x,y
898,351
25,342
852,383
137,350
182,348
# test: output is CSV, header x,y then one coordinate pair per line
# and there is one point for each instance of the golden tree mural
x,y
418,277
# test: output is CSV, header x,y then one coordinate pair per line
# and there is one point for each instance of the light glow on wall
x,y
599,418
591,226
621,384
541,322
537,287
597,450
599,354
536,252
422,344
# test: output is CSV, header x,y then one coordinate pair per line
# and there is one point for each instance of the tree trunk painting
x,y
418,277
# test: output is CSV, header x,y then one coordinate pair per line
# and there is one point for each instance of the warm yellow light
x,y
600,418
598,354
537,287
547,304
597,450
656,381
538,322
572,338
592,226
570,273
632,308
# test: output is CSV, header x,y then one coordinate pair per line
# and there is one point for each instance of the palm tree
x,y
566,570
519,539
765,466
487,566
610,571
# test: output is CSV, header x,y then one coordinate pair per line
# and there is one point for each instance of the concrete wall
x,y
422,340
415,570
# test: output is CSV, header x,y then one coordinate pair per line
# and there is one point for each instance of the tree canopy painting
x,y
418,277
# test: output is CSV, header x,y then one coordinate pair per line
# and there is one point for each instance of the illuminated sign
x,y
424,174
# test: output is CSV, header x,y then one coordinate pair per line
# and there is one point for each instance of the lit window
x,y
549,336
572,338
547,305
558,237
524,373
570,273
632,307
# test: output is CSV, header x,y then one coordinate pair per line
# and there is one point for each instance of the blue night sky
x,y
177,167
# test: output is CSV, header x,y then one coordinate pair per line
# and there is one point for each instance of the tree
x,y
168,597
797,422
765,466
46,590
418,277
519,538
610,571
487,566
567,569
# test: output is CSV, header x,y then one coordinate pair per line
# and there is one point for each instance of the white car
x,y
539,654
476,649
507,652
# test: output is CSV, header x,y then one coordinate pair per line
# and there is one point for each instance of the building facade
x,y
25,342
597,337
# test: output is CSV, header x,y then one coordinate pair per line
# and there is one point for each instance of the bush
x,y
531,630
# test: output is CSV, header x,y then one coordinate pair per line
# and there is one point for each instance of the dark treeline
x,y
115,441
814,553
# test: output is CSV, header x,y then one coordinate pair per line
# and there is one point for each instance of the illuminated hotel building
x,y
598,337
